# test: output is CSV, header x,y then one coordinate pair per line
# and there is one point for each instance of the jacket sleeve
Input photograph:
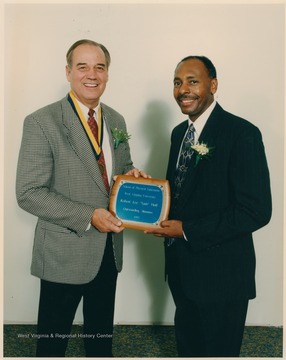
x,y
34,179
249,187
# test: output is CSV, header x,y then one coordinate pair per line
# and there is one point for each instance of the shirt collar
x,y
85,110
202,119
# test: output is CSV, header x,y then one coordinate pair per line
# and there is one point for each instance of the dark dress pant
x,y
204,329
58,305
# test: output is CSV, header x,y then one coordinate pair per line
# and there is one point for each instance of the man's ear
x,y
68,71
214,86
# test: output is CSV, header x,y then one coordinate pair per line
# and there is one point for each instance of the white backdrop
x,y
246,44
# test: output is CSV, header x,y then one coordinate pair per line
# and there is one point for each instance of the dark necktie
x,y
182,168
184,161
101,162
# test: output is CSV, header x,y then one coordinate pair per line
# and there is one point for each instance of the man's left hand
x,y
136,173
169,228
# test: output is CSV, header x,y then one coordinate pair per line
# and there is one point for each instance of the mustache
x,y
187,97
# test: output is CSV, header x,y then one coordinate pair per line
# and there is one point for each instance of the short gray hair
x,y
88,42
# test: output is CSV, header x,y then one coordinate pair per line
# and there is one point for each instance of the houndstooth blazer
x,y
58,180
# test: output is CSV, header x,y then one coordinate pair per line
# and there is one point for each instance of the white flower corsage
x,y
119,136
202,151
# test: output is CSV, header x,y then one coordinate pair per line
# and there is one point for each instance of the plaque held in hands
x,y
140,203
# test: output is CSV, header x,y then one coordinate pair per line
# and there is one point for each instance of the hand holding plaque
x,y
140,203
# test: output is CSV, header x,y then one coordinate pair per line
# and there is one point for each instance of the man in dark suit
x,y
66,166
220,195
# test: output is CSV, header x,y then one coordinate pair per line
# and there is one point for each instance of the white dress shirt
x,y
105,143
199,125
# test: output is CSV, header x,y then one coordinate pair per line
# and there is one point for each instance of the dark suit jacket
x,y
224,200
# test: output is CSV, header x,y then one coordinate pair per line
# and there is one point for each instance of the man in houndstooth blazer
x,y
77,249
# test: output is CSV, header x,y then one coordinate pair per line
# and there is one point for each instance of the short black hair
x,y
206,61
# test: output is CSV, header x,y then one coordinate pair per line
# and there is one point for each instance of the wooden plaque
x,y
140,203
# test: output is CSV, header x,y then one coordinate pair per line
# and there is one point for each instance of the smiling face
x,y
87,74
193,88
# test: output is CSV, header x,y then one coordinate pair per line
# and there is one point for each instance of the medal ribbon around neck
x,y
95,142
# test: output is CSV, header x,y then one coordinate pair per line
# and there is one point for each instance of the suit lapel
x,y
208,136
190,176
212,127
175,150
80,143
109,125
114,120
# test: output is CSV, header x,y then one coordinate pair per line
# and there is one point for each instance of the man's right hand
x,y
104,221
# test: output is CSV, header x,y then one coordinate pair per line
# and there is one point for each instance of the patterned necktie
x,y
184,161
182,168
100,161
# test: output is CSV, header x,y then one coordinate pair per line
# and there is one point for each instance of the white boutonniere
x,y
202,151
119,136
